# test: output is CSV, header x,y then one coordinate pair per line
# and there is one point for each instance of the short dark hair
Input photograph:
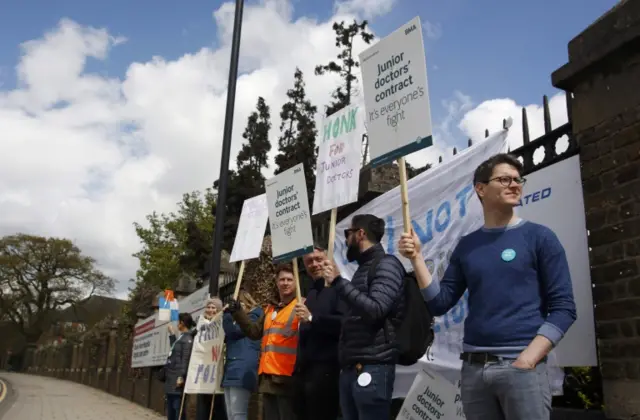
x,y
373,226
284,267
485,169
186,319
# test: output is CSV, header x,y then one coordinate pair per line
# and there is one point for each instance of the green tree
x,y
176,243
247,180
40,276
346,63
297,142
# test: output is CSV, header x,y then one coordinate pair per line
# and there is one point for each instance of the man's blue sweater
x,y
519,287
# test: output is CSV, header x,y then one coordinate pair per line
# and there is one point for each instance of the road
x,y
41,398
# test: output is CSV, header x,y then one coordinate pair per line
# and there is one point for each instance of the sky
x,y
110,111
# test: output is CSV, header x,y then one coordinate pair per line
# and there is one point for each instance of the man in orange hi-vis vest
x,y
278,330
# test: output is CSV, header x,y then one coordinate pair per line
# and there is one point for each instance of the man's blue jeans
x,y
173,407
369,401
500,391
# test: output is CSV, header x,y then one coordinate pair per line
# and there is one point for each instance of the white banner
x,y
338,167
289,216
553,197
432,397
253,224
151,336
443,207
206,363
394,80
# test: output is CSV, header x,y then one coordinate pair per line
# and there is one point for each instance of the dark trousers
x,y
371,398
279,407
318,392
173,407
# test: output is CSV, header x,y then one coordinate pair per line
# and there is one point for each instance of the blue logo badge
x,y
508,255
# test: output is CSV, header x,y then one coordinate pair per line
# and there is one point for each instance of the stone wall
x,y
603,74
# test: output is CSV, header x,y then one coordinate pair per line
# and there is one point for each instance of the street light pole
x,y
223,180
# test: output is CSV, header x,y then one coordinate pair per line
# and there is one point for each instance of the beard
x,y
353,252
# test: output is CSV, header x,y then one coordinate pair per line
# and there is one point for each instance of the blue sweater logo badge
x,y
508,255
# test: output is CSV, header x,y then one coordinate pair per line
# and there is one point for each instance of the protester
x,y
520,299
241,365
317,366
177,365
203,401
375,300
278,329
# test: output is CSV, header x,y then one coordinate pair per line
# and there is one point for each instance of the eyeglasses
x,y
348,231
506,180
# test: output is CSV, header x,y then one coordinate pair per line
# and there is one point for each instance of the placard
x,y
432,397
253,223
206,363
394,80
289,216
339,154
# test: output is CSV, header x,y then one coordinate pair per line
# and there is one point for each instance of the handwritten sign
x,y
206,363
338,168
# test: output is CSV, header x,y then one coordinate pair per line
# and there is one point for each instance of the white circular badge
x,y
364,379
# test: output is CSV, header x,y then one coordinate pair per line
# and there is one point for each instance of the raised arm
x,y
251,326
440,296
385,288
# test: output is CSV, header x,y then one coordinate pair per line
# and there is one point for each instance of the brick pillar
x,y
603,73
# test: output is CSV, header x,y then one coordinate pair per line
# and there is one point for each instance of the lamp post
x,y
223,180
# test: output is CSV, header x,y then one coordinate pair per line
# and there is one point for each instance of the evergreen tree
x,y
411,171
247,181
346,63
297,142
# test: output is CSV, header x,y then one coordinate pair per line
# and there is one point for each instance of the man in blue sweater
x,y
520,300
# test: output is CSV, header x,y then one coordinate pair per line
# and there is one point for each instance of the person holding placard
x,y
241,365
317,366
375,300
204,401
278,330
177,366
520,299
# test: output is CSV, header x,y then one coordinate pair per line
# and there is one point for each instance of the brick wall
x,y
603,73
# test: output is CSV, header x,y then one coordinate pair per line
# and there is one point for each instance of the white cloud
x,y
83,156
365,8
431,30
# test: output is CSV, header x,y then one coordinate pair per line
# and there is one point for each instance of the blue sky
x,y
486,49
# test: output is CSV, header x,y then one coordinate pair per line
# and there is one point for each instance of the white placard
x,y
553,197
151,336
205,366
253,223
338,168
432,397
289,216
394,79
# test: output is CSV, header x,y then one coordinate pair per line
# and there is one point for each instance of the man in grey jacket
x,y
375,301
177,365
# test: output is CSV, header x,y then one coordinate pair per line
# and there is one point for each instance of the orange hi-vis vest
x,y
279,341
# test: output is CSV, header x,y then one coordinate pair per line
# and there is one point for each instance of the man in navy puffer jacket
x,y
368,350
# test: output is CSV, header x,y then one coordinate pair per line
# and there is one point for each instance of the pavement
x,y
30,397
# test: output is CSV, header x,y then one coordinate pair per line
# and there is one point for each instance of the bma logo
x,y
295,171
410,29
535,196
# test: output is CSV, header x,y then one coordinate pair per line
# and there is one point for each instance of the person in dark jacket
x,y
241,366
317,367
177,366
368,349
